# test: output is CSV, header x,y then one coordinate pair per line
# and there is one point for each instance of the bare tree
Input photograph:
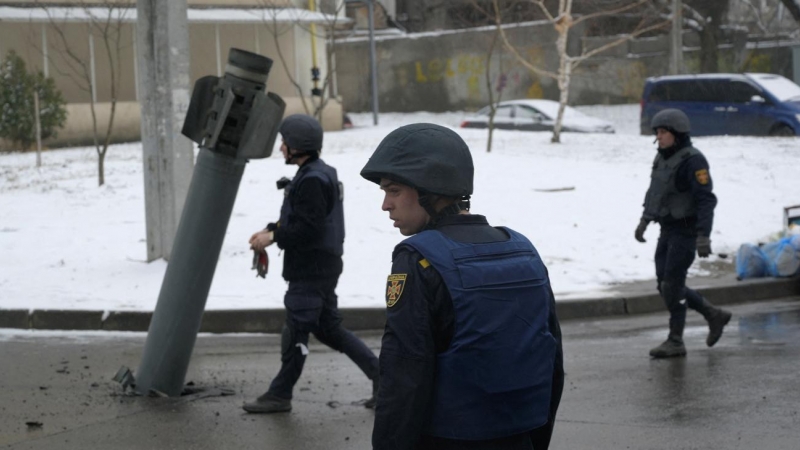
x,y
563,21
500,86
314,101
491,87
768,19
707,18
761,19
105,23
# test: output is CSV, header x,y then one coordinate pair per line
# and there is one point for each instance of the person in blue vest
x,y
311,234
681,200
471,355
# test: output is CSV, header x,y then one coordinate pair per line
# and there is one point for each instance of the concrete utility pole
x,y
796,63
373,63
163,74
38,128
676,39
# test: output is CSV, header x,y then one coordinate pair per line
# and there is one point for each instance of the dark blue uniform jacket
x,y
419,327
309,205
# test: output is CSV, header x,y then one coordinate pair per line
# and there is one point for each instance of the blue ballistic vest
x,y
331,239
495,380
663,199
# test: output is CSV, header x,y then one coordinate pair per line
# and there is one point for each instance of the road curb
x,y
49,319
271,320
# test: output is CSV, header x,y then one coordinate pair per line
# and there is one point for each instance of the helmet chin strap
x,y
425,200
427,205
464,203
292,158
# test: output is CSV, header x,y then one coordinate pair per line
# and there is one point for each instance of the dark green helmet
x,y
671,119
430,158
301,132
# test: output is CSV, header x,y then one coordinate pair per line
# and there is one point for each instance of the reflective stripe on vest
x,y
331,239
495,380
663,198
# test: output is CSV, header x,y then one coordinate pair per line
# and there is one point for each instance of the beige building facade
x,y
45,36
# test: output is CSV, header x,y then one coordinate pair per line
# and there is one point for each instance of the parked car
x,y
536,115
753,104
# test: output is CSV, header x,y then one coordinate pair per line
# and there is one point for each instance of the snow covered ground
x,y
67,244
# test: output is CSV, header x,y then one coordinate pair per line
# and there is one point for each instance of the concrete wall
x,y
78,129
447,71
444,71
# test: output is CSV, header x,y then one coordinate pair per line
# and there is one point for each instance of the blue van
x,y
751,104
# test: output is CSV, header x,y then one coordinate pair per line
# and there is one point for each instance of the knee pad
x,y
672,293
291,341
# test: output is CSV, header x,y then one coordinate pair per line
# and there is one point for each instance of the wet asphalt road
x,y
742,394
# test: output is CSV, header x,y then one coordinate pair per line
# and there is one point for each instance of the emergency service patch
x,y
702,176
394,288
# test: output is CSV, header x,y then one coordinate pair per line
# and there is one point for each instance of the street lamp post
x,y
373,60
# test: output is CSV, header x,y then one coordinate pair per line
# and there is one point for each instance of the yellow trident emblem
x,y
394,288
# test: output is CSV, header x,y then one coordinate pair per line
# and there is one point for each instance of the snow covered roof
x,y
700,76
195,15
437,33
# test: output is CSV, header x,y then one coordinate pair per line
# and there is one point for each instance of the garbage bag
x,y
783,257
751,262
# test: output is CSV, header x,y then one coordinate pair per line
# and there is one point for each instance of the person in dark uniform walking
x,y
681,200
471,355
311,232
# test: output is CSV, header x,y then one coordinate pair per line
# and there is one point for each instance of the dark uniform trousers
x,y
675,252
311,307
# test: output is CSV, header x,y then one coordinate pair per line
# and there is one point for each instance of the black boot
x,y
673,346
268,403
372,401
669,349
717,320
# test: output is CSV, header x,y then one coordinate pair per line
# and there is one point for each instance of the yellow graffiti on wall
x,y
469,71
436,69
470,67
535,90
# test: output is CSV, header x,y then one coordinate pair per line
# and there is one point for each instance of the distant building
x,y
38,31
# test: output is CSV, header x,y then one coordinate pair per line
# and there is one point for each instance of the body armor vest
x,y
331,239
663,198
495,379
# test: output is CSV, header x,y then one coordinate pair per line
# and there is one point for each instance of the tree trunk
x,y
101,162
708,50
490,89
563,84
714,13
564,74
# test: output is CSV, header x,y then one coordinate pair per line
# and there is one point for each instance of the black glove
x,y
639,235
260,263
703,246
